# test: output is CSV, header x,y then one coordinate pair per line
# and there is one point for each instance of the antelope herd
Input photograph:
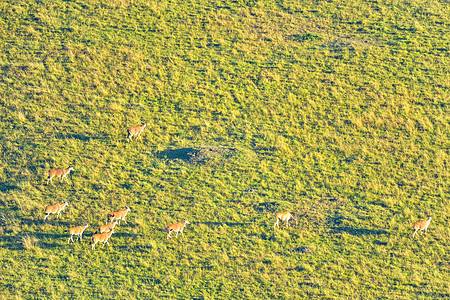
x,y
113,218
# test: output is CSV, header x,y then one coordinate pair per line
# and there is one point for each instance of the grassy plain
x,y
337,111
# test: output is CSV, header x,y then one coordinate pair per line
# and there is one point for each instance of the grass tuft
x,y
30,243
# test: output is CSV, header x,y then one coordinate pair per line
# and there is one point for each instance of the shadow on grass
x,y
54,222
380,243
302,249
266,207
265,150
45,245
222,223
358,231
4,187
165,230
144,247
17,242
57,183
182,154
47,235
126,234
126,225
128,247
309,284
51,221
55,240
196,155
13,246
80,137
29,221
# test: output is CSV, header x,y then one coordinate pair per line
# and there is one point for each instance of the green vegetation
x,y
337,111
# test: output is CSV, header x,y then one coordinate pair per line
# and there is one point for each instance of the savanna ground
x,y
337,111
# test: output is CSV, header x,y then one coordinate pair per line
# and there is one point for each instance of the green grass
x,y
335,111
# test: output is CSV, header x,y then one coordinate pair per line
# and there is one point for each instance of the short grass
x,y
335,111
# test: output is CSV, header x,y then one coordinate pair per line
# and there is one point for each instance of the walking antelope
x,y
135,131
107,227
55,209
78,231
101,237
59,173
118,215
177,228
422,225
284,216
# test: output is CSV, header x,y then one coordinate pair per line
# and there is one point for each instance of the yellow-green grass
x,y
334,111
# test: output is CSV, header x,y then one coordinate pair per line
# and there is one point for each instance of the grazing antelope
x,y
118,215
55,209
284,216
59,173
177,228
101,237
107,227
135,131
78,231
422,225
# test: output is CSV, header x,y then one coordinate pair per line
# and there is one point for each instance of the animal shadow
x,y
165,230
126,234
52,236
29,221
358,231
54,222
80,137
4,187
222,223
43,240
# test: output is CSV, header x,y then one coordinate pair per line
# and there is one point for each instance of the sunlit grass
x,y
337,112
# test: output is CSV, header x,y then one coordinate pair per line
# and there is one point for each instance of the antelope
x,y
55,209
422,225
107,227
118,215
135,131
78,231
284,216
177,228
101,237
59,173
